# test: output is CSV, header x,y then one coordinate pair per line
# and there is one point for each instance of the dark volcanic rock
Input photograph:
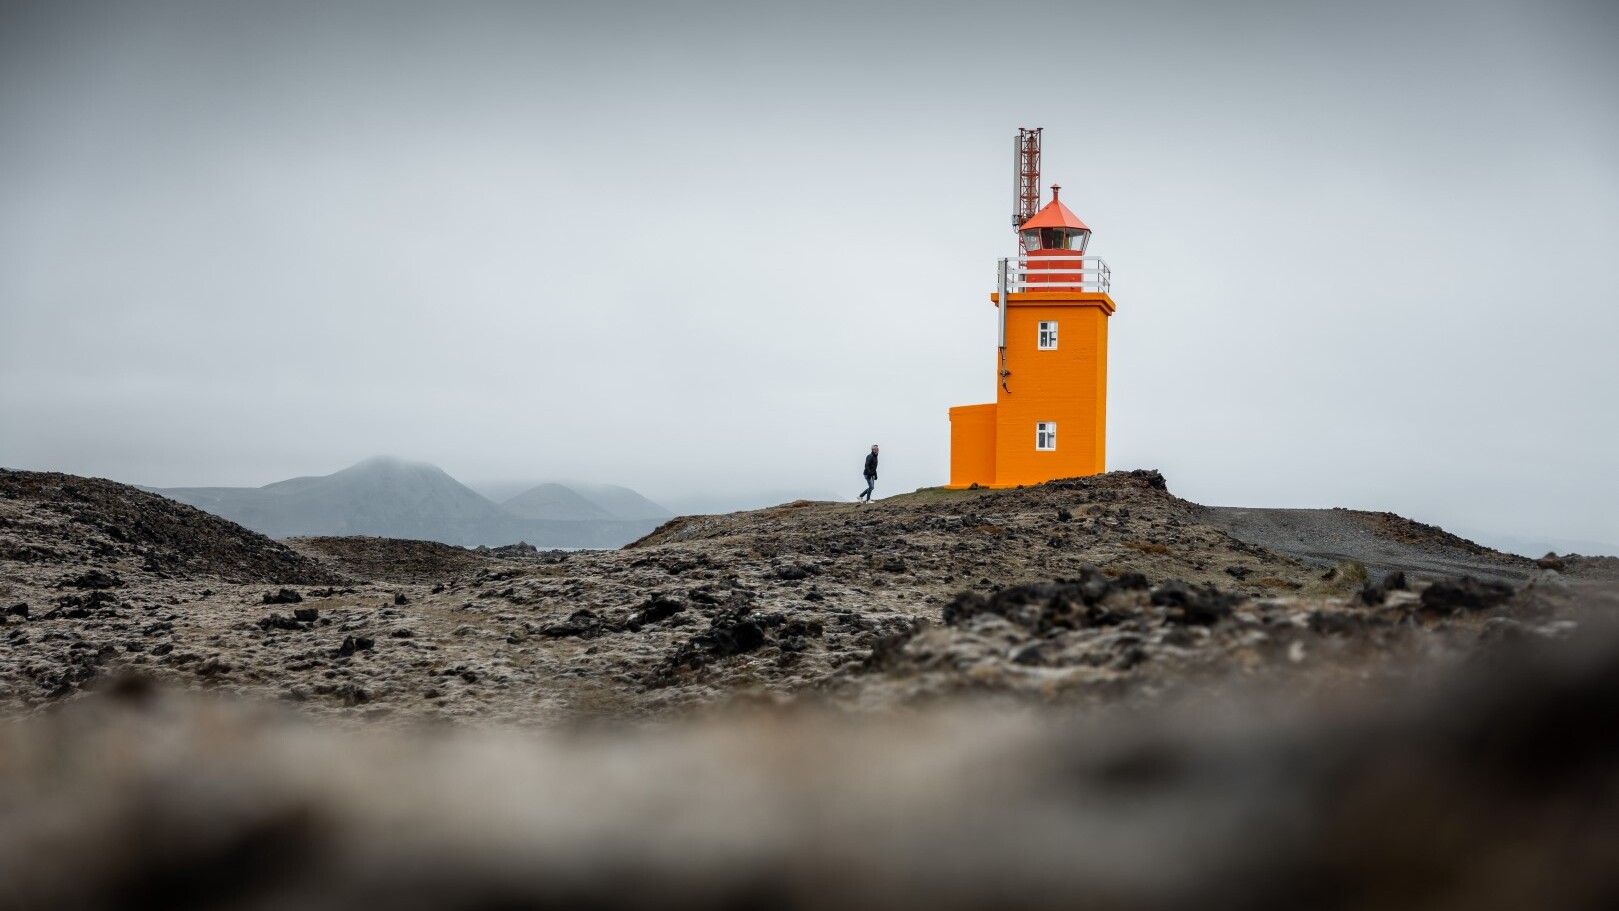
x,y
284,596
733,631
80,605
95,578
1040,608
1200,606
584,623
656,609
352,644
1465,594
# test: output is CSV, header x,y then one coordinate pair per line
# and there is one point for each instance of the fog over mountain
x,y
622,501
395,498
553,501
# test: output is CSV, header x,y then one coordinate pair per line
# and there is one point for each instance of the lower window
x,y
1045,435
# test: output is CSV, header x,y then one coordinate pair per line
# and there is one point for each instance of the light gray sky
x,y
1364,253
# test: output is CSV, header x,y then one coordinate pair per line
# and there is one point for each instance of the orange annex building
x,y
1049,417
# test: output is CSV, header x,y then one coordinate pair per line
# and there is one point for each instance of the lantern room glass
x,y
1056,239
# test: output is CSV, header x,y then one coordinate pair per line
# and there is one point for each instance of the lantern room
x,y
1054,229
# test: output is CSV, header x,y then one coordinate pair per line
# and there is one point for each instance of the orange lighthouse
x,y
1049,417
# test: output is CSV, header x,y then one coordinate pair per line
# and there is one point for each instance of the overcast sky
x,y
1364,253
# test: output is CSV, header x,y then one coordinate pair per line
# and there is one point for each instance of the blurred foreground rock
x,y
1493,786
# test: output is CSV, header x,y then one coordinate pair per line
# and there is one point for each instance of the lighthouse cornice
x,y
1099,299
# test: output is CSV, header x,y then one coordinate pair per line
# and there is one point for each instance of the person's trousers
x,y
866,494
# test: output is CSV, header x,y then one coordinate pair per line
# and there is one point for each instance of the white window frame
x,y
1047,332
1045,436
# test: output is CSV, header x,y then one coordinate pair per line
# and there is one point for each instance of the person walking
x,y
871,474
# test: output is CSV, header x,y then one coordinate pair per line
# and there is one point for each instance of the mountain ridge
x,y
397,498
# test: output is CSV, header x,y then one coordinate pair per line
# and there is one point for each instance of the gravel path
x,y
1383,542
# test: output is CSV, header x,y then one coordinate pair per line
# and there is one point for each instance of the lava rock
x,y
1131,582
656,609
584,623
306,614
81,605
1334,623
284,596
279,621
1033,653
1550,561
1067,604
95,578
352,644
400,599
811,628
1185,604
1465,594
732,632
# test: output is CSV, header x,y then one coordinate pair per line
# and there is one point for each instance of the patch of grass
x,y
1273,582
936,495
1147,547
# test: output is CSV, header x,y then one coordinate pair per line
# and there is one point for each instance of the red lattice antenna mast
x,y
1026,184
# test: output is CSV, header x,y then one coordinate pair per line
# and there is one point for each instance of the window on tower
x,y
1048,335
1045,436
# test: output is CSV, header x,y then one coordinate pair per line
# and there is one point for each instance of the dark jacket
x,y
871,465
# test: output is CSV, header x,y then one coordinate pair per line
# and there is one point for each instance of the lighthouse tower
x,y
1049,417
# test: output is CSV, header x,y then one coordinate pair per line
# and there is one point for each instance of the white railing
x,y
1061,273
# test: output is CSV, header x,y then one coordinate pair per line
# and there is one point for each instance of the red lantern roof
x,y
1054,215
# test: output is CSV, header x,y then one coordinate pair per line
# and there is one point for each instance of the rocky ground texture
x,y
1086,590
1087,692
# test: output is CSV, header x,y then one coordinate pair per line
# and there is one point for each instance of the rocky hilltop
x,y
1086,692
61,524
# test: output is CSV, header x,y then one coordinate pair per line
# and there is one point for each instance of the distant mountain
x,y
381,496
623,502
394,498
619,502
553,501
